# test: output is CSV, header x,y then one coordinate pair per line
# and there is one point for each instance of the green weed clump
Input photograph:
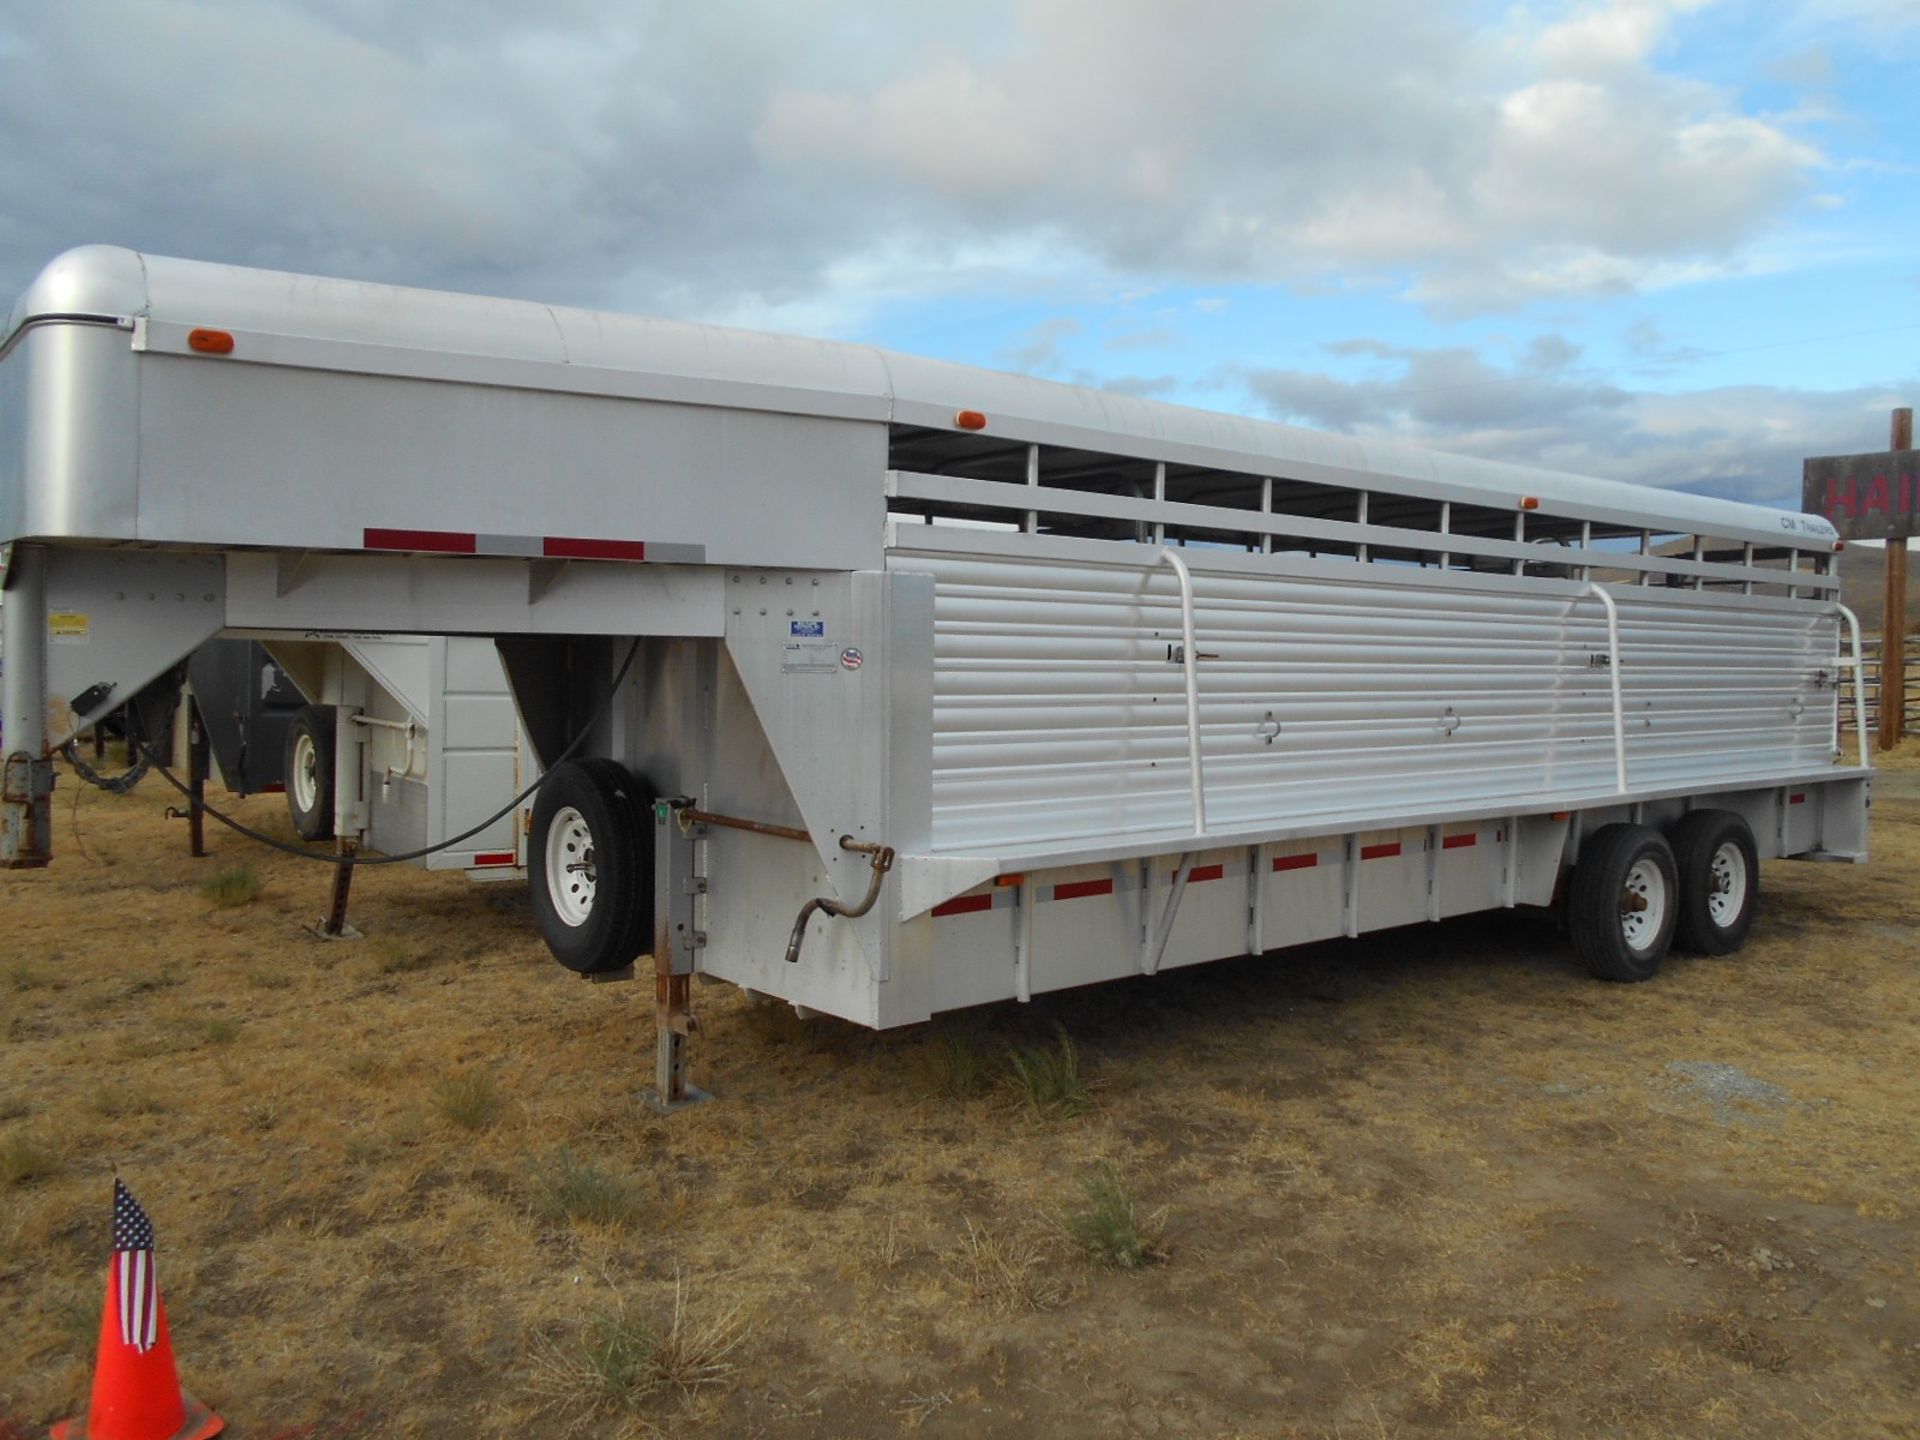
x,y
616,1361
235,886
951,1068
469,1099
1048,1078
1109,1228
565,1187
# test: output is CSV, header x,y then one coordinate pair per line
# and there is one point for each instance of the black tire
x,y
310,772
1732,887
1601,913
603,915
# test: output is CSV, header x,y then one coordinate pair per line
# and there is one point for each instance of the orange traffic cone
x,y
136,1386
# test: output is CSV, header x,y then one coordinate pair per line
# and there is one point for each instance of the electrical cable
x,y
505,810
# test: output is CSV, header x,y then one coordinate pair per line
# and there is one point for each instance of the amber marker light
x,y
1007,882
210,342
1529,502
970,420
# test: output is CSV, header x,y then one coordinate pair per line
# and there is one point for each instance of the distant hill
x,y
1863,570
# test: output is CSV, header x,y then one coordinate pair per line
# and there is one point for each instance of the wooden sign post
x,y
1870,497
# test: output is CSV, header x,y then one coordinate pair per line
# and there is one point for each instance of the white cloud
x,y
1744,441
790,160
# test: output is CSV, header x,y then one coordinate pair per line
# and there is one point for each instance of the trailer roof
x,y
755,370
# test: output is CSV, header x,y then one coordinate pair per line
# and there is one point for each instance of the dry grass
x,y
26,1158
1431,1184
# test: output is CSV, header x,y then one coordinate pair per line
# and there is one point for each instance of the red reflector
x,y
1205,872
442,542
969,420
1295,862
494,857
210,342
965,905
561,547
1796,799
1078,889
1384,851
1459,842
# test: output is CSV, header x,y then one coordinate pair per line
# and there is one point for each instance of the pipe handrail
x,y
1599,592
1190,661
1859,687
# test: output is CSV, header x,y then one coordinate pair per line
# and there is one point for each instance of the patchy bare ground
x,y
1434,1183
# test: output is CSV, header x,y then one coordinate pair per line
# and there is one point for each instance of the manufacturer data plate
x,y
811,657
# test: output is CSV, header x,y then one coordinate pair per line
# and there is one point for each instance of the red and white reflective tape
x,y
529,547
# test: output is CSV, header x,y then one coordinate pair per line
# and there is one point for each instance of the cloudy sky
x,y
1672,241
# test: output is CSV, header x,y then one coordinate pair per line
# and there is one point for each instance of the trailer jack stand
x,y
674,1026
334,926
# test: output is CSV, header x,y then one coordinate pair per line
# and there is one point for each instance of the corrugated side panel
x,y
1059,704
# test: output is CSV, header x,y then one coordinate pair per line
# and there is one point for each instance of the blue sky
x,y
1670,241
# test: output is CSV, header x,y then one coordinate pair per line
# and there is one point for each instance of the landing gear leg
x,y
675,940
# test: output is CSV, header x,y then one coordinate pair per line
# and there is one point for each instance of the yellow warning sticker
x,y
70,625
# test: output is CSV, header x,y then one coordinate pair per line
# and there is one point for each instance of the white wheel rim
x,y
306,773
571,879
1727,885
1643,904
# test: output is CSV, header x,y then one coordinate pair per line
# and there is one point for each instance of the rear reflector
x,y
1385,851
440,542
210,342
1205,872
560,547
494,857
965,905
1079,889
1459,842
1295,862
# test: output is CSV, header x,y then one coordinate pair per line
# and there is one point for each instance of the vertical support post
x,y
1446,528
1266,508
26,793
197,789
1159,495
1033,482
1360,513
1893,620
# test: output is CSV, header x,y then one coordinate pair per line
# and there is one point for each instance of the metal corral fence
x,y
1873,648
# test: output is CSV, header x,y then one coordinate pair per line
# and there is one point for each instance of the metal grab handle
x,y
1189,663
1599,593
1859,688
881,862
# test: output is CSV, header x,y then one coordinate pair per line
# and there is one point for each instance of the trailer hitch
x,y
880,859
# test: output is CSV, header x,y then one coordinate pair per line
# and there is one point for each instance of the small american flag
x,y
139,1286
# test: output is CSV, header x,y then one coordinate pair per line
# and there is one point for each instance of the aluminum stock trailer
x,y
886,686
